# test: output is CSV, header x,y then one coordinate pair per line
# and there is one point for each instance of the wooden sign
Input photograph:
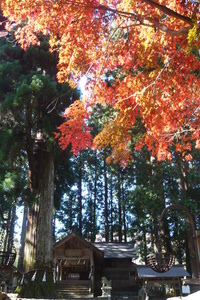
x,y
73,252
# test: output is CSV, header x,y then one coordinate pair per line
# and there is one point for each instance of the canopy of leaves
x,y
154,43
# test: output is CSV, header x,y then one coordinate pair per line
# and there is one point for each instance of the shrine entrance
x,y
73,269
77,263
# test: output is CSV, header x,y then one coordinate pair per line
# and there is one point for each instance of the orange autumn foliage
x,y
155,43
74,129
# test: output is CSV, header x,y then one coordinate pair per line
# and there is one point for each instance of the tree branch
x,y
155,22
162,8
168,11
166,29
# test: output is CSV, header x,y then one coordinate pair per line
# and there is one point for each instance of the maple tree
x,y
156,46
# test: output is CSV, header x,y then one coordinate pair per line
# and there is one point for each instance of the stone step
x,y
76,296
78,291
72,285
74,289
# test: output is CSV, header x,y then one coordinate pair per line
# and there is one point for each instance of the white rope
x,y
54,276
44,277
34,275
22,280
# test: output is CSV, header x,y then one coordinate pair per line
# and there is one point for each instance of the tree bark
x,y
22,240
39,235
111,209
44,235
80,200
30,239
183,186
106,203
94,229
119,208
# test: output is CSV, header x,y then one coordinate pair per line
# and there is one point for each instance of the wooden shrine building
x,y
84,264
80,266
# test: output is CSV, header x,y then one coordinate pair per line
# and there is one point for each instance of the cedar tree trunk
x,y
43,213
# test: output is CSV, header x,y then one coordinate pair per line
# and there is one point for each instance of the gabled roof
x,y
116,250
73,234
67,238
175,271
110,250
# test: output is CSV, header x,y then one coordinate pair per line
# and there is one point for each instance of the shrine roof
x,y
116,250
70,236
175,271
107,249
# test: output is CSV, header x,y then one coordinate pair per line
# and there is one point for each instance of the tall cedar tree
x,y
31,103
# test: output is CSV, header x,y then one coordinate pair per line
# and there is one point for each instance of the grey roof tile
x,y
147,272
116,250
